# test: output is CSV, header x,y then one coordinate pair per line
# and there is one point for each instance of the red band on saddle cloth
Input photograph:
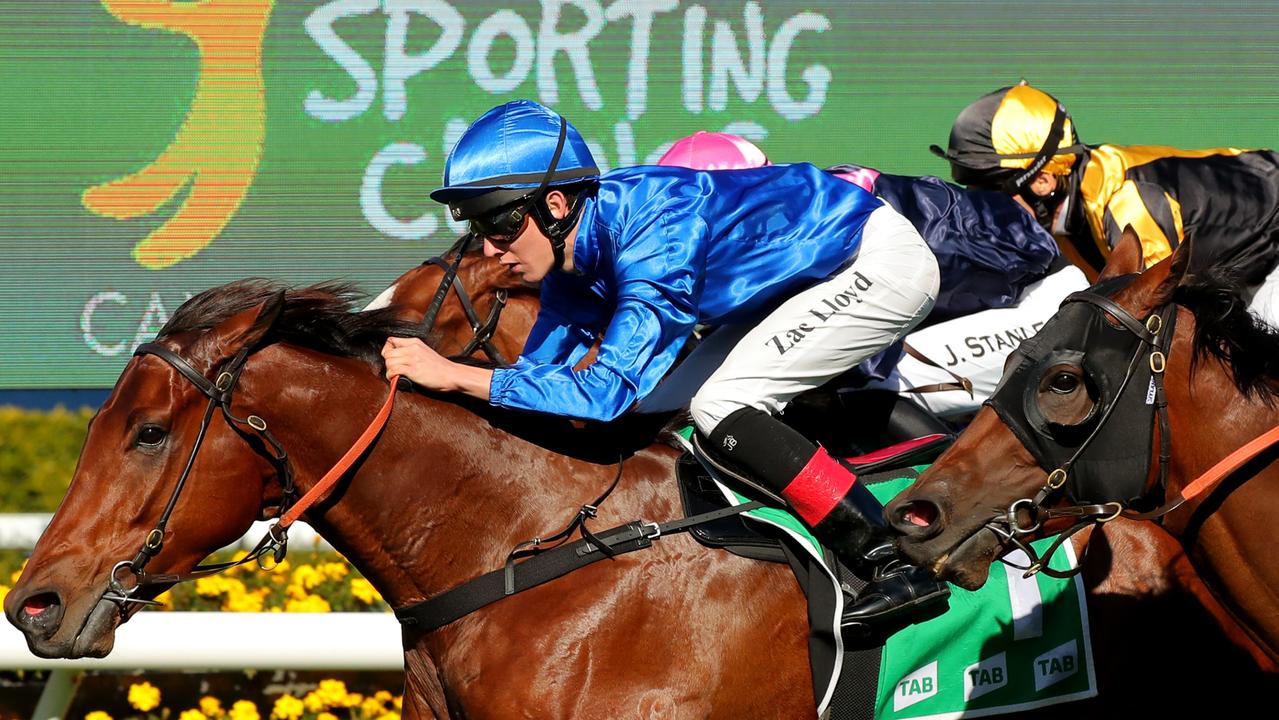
x,y
326,483
818,487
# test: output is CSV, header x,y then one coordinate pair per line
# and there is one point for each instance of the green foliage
x,y
38,453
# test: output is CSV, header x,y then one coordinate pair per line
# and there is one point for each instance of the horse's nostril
x,y
919,514
37,605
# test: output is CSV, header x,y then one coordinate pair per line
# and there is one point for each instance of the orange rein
x,y
1216,473
330,478
1231,463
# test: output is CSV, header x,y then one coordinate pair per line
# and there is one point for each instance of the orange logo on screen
x,y
218,146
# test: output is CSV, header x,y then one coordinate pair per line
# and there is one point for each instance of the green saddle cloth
x,y
1015,644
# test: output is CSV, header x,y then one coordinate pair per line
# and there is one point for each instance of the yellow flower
x,y
192,714
372,707
217,585
383,696
333,570
4,590
333,693
398,702
314,703
244,710
312,603
389,716
99,715
307,577
211,706
209,586
364,591
242,602
287,707
322,716
144,696
165,599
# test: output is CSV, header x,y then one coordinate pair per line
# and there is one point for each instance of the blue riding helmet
x,y
505,155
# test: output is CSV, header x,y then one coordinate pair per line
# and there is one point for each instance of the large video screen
x,y
154,148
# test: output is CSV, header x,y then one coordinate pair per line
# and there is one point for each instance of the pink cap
x,y
863,177
714,151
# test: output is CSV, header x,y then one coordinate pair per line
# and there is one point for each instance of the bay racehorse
x,y
447,491
1065,411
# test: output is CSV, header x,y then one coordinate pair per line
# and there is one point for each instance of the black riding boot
x,y
842,514
897,593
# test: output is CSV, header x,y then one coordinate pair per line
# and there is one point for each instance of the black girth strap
x,y
460,601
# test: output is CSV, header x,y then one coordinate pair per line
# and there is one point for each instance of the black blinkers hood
x,y
1107,456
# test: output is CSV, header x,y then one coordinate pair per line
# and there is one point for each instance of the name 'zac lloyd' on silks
x,y
823,272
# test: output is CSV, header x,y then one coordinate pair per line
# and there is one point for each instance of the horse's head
x,y
1070,422
469,307
139,445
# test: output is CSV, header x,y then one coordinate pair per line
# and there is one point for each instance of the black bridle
x,y
482,332
1153,340
219,391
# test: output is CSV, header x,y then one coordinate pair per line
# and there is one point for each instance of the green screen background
x,y
88,98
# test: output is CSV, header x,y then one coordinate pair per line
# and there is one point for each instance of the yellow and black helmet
x,y
1002,140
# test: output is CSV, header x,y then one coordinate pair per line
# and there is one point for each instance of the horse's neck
x,y
1230,532
1210,417
442,496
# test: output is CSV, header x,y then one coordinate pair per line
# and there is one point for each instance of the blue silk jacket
x,y
661,249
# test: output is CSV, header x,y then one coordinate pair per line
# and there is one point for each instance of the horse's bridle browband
x,y
219,391
482,332
1155,336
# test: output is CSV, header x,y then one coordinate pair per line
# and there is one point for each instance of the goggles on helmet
x,y
503,224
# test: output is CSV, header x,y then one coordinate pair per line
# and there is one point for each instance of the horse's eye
x,y
1064,383
151,435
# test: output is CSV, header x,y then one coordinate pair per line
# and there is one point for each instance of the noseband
x,y
1154,338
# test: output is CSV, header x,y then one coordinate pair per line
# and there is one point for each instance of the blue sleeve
x,y
556,339
658,281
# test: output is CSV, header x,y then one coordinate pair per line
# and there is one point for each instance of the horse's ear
x,y
1125,258
248,327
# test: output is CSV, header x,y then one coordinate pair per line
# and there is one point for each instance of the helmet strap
x,y
535,205
557,230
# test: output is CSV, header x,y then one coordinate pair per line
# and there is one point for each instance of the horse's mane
x,y
1225,329
322,317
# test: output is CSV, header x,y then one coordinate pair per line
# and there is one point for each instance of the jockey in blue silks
x,y
823,273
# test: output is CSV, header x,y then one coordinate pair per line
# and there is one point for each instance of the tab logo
x,y
915,687
1056,665
986,676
